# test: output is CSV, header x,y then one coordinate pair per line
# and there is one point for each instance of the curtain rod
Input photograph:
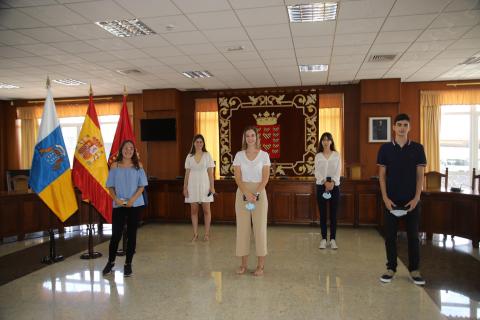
x,y
70,100
463,84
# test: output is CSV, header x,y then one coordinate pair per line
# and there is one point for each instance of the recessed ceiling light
x,y
197,74
322,11
313,67
8,86
126,28
69,82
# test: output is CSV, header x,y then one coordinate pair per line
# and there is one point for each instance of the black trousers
x,y
119,215
391,226
322,206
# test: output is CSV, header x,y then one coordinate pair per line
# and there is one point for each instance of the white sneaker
x,y
333,244
323,244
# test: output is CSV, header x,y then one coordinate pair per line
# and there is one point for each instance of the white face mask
x,y
398,212
250,206
326,195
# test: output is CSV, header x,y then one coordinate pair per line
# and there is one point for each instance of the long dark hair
x,y
135,161
329,136
192,149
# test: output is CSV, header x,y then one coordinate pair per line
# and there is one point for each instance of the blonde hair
x,y
244,139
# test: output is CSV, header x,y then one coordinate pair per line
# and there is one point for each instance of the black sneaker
x,y
127,270
108,268
387,276
417,278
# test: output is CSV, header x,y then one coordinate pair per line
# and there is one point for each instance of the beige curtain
x,y
430,119
330,118
28,137
206,123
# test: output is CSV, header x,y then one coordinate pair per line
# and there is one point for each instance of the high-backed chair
x,y
17,180
475,183
353,171
433,180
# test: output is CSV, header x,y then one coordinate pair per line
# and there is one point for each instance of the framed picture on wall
x,y
379,129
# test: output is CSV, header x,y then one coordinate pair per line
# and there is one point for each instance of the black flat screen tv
x,y
158,129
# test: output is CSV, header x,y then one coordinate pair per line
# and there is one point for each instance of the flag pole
x,y
52,252
90,254
123,250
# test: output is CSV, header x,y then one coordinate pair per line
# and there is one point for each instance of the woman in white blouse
x,y
252,170
198,187
327,174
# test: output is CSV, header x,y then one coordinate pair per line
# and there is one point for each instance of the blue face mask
x,y
250,206
326,195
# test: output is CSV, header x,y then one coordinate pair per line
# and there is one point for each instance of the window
x,y
459,142
71,127
330,119
206,124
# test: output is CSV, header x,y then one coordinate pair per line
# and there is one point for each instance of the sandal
x,y
259,271
195,237
241,270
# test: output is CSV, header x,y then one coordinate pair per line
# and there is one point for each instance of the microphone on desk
x,y
456,189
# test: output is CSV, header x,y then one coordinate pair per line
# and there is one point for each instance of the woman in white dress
x,y
198,187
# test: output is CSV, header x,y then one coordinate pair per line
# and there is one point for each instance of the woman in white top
x,y
252,170
198,187
327,174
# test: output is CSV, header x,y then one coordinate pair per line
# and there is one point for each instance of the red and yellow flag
x,y
124,132
90,170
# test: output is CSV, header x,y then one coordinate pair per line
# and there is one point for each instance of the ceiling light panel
x,y
197,74
126,28
313,67
8,86
314,12
69,82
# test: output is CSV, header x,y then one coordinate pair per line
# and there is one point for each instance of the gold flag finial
x,y
91,91
48,82
125,90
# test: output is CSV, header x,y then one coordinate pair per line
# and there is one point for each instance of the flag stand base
x,y
52,257
121,252
90,254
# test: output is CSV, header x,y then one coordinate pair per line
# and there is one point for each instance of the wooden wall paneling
x,y
438,215
303,207
380,91
281,206
367,204
368,157
9,159
160,99
346,209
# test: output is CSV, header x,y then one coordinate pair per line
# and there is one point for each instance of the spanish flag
x,y
50,176
90,170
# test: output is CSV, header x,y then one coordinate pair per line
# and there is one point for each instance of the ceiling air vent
x,y
381,57
472,60
130,72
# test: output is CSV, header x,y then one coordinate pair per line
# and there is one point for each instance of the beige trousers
x,y
244,220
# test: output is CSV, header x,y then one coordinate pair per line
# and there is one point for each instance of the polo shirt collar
x,y
396,144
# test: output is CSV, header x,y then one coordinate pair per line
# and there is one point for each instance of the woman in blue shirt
x,y
126,181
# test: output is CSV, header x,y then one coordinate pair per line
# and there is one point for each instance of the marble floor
x,y
176,279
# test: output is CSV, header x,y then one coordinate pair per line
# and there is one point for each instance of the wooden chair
x,y
475,183
17,180
353,171
433,180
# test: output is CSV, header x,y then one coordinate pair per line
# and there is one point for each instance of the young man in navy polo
x,y
401,167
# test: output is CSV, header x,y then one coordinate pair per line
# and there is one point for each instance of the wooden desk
x,y
25,212
454,213
291,201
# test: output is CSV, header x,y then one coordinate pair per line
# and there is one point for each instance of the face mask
x,y
250,206
326,195
398,212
